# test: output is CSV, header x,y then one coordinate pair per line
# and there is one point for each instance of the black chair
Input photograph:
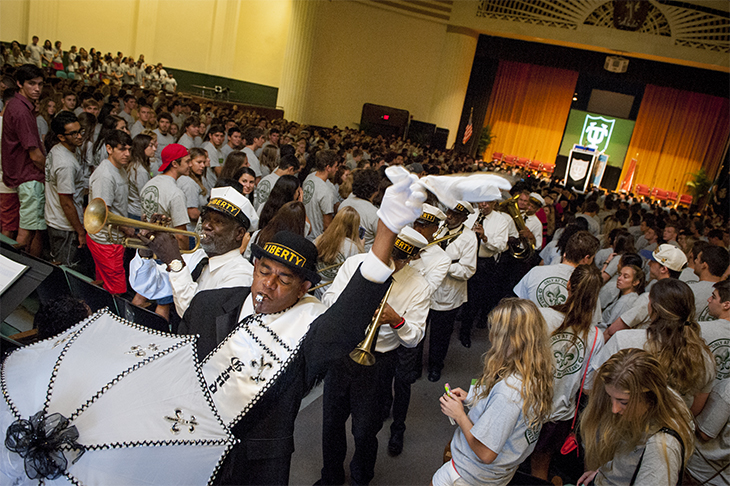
x,y
95,297
141,316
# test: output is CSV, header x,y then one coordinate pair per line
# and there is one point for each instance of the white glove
x,y
403,201
473,188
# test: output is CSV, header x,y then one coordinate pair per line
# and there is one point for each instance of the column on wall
x,y
225,29
297,60
43,20
145,30
457,57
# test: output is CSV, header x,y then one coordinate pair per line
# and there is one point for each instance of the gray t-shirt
x,y
717,336
263,189
64,175
571,354
216,160
136,129
500,426
638,338
618,307
654,468
368,217
110,184
162,142
318,201
194,196
161,195
188,142
703,291
253,161
713,455
545,285
138,177
688,275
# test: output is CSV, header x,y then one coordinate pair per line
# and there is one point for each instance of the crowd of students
x,y
621,298
90,66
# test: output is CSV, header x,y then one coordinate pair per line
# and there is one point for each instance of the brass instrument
x,y
522,248
363,353
444,238
97,217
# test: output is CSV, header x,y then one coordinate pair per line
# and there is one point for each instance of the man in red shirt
x,y
24,158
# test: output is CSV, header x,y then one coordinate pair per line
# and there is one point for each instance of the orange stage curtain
x,y
677,132
528,109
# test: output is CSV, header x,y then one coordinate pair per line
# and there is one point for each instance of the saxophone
x,y
520,248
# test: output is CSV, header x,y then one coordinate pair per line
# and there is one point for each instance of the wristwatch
x,y
175,266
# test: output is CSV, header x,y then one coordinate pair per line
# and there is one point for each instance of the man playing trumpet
x,y
354,389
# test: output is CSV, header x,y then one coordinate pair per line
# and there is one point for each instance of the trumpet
x,y
97,217
363,353
522,248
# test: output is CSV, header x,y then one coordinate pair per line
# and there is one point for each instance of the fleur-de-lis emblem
x,y
261,365
179,420
139,351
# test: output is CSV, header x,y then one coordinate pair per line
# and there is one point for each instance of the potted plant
x,y
699,186
485,140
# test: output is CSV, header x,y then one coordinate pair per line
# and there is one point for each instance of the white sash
x,y
251,358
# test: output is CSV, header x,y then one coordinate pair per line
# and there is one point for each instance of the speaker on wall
x,y
383,120
611,177
561,163
440,137
421,132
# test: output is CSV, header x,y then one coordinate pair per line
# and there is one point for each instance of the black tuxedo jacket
x,y
267,430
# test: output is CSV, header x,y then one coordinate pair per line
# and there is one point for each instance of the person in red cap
x,y
162,196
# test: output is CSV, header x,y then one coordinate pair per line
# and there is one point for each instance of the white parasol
x,y
108,402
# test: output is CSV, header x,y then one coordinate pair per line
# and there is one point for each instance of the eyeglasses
x,y
76,133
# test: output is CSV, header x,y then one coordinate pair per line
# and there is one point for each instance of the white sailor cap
x,y
535,197
463,207
410,241
432,214
232,203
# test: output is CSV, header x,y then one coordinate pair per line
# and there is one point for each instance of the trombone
x,y
363,353
97,217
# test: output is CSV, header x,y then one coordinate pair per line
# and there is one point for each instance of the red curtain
x,y
528,109
677,133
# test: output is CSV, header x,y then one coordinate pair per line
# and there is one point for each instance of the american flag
x,y
468,130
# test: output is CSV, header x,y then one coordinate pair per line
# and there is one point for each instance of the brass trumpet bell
x,y
363,353
97,217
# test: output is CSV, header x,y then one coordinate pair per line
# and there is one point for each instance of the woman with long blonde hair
x,y
339,241
575,341
635,429
509,403
673,337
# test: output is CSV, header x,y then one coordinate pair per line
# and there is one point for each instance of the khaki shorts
x,y
32,197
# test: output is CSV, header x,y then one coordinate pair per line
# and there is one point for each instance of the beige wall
x,y
363,54
242,39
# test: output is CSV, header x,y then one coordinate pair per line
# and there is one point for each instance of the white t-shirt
x,y
462,250
571,354
500,425
318,201
161,195
110,184
36,52
64,175
713,455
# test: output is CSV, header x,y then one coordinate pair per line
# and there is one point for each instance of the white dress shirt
x,y
496,229
463,253
433,264
153,281
409,297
